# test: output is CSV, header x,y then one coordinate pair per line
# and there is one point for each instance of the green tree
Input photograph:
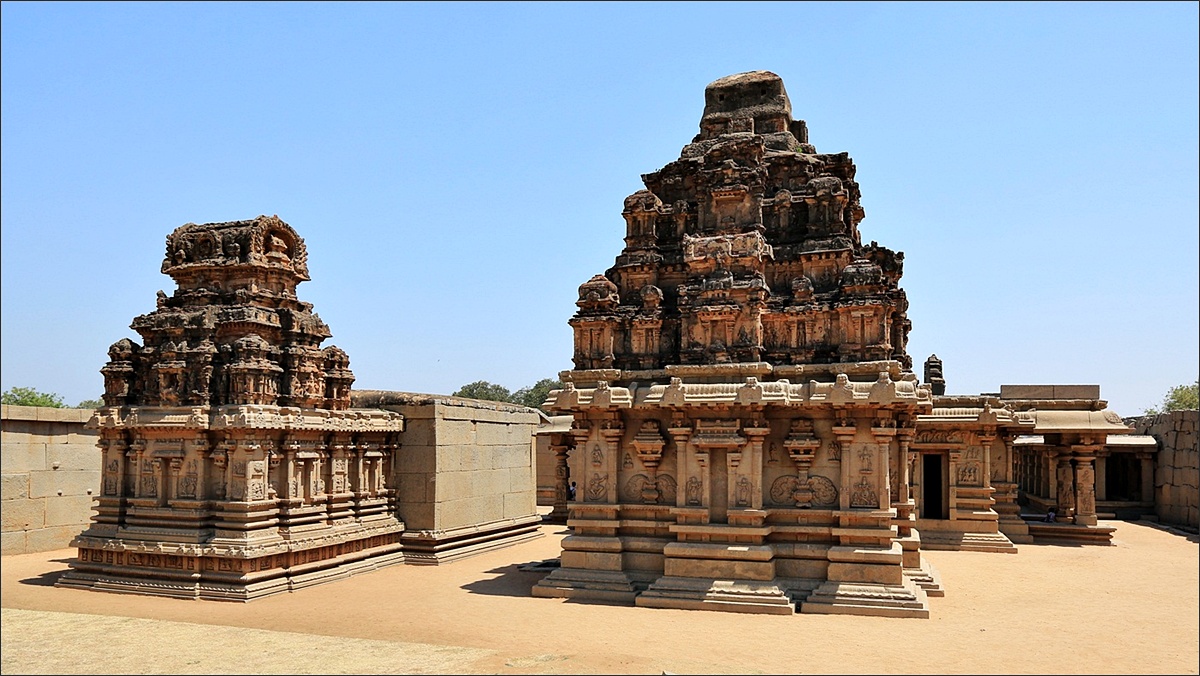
x,y
28,396
534,395
482,389
90,403
1178,398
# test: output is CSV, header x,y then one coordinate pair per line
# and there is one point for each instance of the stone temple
x,y
742,398
233,466
748,434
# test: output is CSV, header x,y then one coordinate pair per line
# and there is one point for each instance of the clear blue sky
x,y
457,170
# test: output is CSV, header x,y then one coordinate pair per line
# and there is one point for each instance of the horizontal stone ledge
x,y
723,551
865,532
721,529
45,413
474,529
889,555
588,543
593,523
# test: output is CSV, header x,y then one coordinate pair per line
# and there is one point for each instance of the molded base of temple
x,y
885,600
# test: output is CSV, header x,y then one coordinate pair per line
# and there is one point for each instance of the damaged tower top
x,y
745,250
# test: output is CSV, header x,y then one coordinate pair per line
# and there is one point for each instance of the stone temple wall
x,y
51,470
1177,475
465,473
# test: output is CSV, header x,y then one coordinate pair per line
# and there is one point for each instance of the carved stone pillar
x,y
691,485
581,431
883,432
843,432
1048,465
610,435
293,491
134,455
1085,491
1065,484
985,443
114,467
952,460
1102,475
904,499
755,431
561,477
173,471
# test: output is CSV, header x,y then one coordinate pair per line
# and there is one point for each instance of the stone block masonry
x,y
466,472
1177,472
51,471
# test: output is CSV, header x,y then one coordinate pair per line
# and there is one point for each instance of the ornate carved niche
x,y
338,378
641,212
254,376
802,444
119,372
648,443
825,198
595,340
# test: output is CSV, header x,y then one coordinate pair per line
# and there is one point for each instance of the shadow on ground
x,y
515,580
48,578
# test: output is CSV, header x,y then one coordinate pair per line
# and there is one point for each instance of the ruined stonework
x,y
742,397
233,466
1173,483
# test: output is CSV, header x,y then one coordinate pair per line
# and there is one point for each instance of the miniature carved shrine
x,y
743,402
233,466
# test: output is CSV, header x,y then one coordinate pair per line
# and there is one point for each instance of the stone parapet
x,y
51,473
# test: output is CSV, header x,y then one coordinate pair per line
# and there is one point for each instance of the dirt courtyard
x,y
1129,608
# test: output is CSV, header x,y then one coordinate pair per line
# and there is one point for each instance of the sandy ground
x,y
1130,608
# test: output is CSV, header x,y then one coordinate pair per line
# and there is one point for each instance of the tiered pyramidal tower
x,y
233,465
742,394
746,249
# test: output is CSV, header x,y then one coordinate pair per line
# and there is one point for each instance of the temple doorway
x,y
1123,478
933,483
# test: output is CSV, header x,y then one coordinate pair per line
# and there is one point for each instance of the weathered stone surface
x,y
13,542
228,447
741,383
23,515
53,483
46,455
1177,471
21,452
472,464
14,486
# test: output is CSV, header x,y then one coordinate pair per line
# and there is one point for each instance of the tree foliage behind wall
x,y
531,396
1178,398
28,396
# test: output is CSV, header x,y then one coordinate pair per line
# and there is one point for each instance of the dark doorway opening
x,y
933,505
1123,477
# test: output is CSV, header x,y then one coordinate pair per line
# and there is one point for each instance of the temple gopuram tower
x,y
742,397
233,465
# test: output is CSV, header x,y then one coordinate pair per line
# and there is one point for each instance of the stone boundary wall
x,y
51,471
466,473
1177,472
